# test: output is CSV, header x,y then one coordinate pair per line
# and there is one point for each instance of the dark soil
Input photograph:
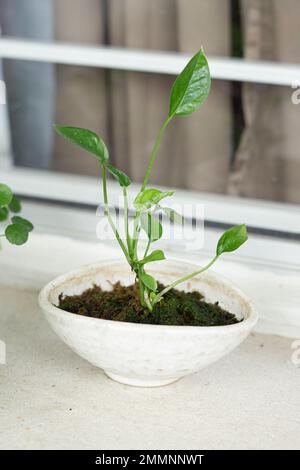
x,y
122,304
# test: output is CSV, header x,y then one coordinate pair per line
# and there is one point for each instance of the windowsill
x,y
53,399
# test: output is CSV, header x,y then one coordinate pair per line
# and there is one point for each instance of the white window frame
x,y
280,217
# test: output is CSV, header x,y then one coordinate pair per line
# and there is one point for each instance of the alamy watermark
x,y
2,92
295,357
295,98
2,352
182,224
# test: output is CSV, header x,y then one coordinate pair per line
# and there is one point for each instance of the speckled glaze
x,y
147,355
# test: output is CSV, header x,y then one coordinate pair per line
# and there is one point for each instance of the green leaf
x,y
156,255
16,234
6,195
232,239
120,176
151,226
86,139
173,215
150,197
19,220
148,281
191,87
3,213
15,205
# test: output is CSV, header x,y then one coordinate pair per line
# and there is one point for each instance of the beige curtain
x,y
128,108
195,152
267,164
81,91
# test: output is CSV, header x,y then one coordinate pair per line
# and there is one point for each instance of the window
x,y
109,67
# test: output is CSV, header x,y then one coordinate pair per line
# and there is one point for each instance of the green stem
x,y
154,152
147,248
108,215
126,220
141,290
136,232
185,278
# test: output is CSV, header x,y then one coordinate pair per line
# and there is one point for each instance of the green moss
x,y
122,304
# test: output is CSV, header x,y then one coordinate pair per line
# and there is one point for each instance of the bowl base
x,y
142,382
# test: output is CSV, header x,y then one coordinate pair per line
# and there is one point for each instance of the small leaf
x,y
191,87
151,226
232,239
6,195
15,205
86,139
3,213
173,215
19,220
16,234
120,176
156,255
148,281
150,197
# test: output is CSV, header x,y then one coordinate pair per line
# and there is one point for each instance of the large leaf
x,y
6,195
120,176
148,281
150,197
232,239
15,205
26,224
156,255
16,234
191,87
86,139
151,226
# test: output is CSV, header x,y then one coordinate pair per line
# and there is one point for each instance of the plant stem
x,y
147,248
136,231
141,289
185,278
126,221
154,152
109,218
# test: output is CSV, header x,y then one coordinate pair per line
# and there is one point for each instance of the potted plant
x,y
147,322
17,228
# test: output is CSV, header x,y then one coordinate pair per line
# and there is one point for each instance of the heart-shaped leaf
x,y
150,197
15,205
19,220
156,255
148,281
16,234
151,226
6,195
3,214
232,239
86,139
120,176
191,87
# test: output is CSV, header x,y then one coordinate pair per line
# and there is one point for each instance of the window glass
x,y
243,142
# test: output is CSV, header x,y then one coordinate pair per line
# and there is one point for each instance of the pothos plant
x,y
188,93
16,229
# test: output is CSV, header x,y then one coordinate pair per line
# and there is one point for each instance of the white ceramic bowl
x,y
147,355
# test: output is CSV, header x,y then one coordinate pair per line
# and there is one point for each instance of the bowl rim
x,y
46,305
